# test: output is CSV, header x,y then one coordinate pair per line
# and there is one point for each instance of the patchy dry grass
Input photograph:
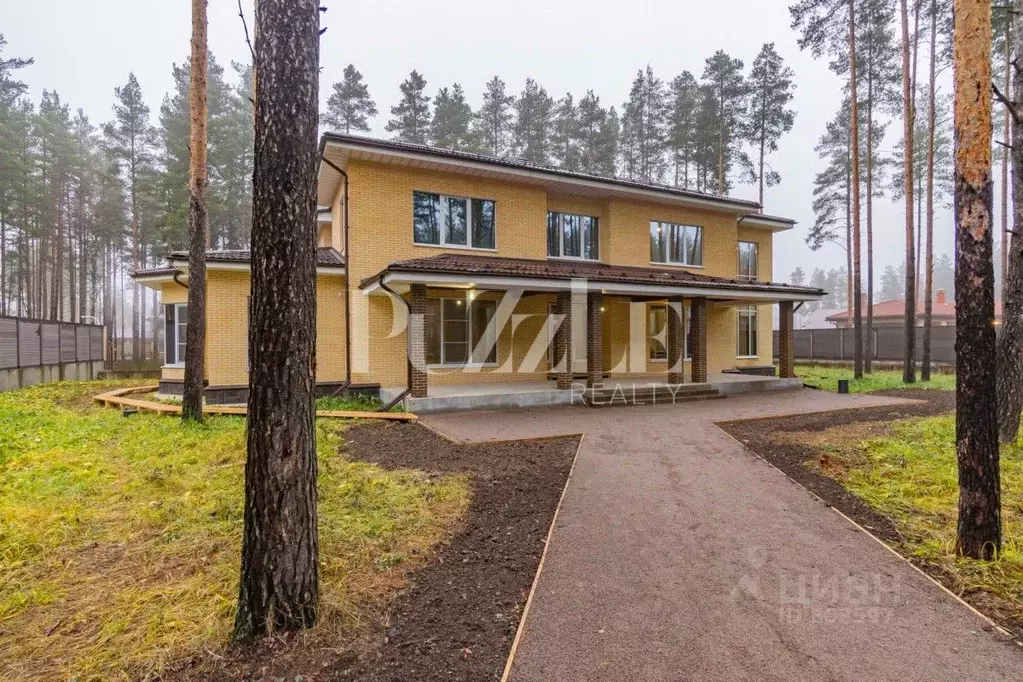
x,y
907,470
826,377
120,537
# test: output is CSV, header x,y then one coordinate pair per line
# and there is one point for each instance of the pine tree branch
x,y
241,15
1008,104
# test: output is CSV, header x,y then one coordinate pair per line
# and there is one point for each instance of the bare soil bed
x,y
770,439
457,615
762,436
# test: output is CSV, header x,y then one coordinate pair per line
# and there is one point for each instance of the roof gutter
x,y
348,284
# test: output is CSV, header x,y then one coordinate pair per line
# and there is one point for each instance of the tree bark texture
x,y
1010,343
1006,132
925,361
854,129
279,578
908,114
198,222
979,529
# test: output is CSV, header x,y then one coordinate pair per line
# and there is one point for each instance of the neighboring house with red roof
x,y
893,313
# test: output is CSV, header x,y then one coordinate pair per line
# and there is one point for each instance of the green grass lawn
x,y
120,536
909,472
826,377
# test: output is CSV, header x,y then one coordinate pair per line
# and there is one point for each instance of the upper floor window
x,y
572,236
676,244
748,260
452,221
176,318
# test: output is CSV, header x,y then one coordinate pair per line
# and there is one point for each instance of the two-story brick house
x,y
519,279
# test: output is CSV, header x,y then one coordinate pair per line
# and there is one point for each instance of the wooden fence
x,y
889,342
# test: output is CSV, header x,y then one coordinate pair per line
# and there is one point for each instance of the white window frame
x,y
442,223
179,343
748,277
665,226
686,357
561,235
752,312
490,331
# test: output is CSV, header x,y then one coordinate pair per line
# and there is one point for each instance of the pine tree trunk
x,y
855,141
198,222
978,534
279,577
1010,342
3,265
908,359
1004,237
925,365
870,211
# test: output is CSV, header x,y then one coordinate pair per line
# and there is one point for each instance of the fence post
x,y
811,344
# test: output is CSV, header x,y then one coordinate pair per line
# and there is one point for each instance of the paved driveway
x,y
679,555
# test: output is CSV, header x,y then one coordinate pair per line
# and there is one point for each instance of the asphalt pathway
x,y
680,555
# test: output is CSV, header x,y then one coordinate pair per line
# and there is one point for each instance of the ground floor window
x,y
459,332
176,320
658,333
747,332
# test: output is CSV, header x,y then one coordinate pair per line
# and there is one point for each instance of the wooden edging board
x,y
117,397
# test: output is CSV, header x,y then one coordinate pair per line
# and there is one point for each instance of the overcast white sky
x,y
84,48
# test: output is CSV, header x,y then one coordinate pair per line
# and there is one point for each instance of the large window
x,y
460,332
176,320
748,260
453,221
746,328
658,333
676,244
572,236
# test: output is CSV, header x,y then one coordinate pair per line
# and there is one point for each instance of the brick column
x,y
786,347
698,330
594,340
417,339
563,342
676,341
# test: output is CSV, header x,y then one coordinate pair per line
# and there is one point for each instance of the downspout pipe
x,y
348,271
408,348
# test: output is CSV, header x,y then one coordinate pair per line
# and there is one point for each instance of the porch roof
x,y
471,271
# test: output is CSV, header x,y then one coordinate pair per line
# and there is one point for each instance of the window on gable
x,y
748,260
572,236
453,221
676,244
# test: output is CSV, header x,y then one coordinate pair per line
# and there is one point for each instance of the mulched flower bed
x,y
457,616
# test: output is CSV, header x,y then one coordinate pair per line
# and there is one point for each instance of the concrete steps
x,y
657,394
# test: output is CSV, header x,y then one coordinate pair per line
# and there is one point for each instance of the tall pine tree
x,y
644,129
771,88
493,123
452,119
350,107
729,92
534,124
410,118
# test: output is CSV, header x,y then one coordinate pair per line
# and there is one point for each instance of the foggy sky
x,y
85,48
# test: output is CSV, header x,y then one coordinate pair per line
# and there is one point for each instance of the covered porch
x,y
577,365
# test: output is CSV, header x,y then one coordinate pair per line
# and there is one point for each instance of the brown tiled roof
x,y
522,164
325,256
155,272
471,264
896,308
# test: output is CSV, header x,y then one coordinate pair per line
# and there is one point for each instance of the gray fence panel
x,y
837,344
51,343
8,343
95,343
827,344
68,343
28,344
81,344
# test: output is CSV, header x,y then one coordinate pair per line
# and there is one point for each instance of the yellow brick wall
x,y
227,298
381,232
